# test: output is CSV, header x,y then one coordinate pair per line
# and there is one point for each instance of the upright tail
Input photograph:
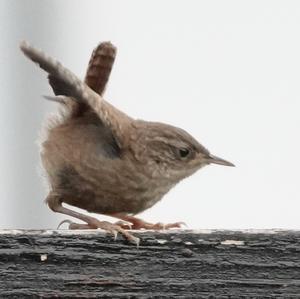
x,y
100,66
97,76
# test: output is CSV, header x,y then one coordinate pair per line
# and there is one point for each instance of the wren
x,y
99,159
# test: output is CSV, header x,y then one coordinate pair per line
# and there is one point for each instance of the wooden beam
x,y
171,264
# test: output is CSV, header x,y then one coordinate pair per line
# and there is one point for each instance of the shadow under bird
x,y
99,159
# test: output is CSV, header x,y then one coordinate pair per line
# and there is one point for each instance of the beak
x,y
216,160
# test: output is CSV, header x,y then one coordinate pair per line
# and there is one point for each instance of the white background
x,y
228,72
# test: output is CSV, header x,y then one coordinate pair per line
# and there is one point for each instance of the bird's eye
x,y
184,152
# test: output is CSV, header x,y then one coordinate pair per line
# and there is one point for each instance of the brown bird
x,y
99,159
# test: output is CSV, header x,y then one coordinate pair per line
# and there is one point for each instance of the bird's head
x,y
170,152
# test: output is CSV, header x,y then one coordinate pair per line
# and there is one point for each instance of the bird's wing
x,y
71,86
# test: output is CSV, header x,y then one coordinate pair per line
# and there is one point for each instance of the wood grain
x,y
173,264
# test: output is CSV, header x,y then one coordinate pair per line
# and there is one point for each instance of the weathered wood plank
x,y
173,264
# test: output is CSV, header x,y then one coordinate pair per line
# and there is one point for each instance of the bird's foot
x,y
130,222
114,229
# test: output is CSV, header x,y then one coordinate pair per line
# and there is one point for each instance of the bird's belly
x,y
150,197
132,201
107,192
122,198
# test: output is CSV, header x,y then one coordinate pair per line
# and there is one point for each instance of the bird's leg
x,y
137,223
55,204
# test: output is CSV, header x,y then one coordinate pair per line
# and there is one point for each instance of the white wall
x,y
226,71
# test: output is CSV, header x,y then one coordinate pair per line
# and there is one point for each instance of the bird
x,y
99,159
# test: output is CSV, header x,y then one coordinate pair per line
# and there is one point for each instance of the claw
x,y
171,225
181,223
124,224
175,225
134,240
137,242
161,225
115,234
63,222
